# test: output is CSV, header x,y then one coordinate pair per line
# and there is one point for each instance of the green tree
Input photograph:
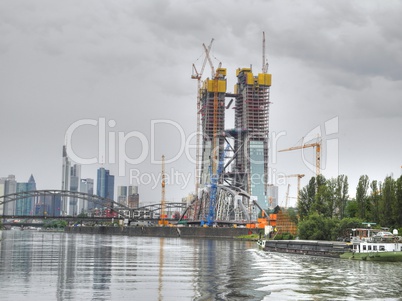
x,y
292,212
398,203
387,202
321,202
351,208
318,227
374,199
341,195
346,224
306,199
362,199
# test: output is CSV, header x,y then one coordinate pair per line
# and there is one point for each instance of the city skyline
x,y
335,66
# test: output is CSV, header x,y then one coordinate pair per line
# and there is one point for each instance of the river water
x,y
44,266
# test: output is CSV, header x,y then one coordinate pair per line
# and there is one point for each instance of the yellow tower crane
x,y
198,75
317,146
215,75
299,176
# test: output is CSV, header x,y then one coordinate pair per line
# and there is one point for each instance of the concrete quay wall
x,y
187,232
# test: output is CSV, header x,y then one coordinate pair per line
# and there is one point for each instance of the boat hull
x,y
327,249
306,247
374,256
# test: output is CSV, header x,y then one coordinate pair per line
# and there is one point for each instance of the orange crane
x,y
198,75
299,176
317,146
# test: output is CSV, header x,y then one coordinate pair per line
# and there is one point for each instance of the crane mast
x,y
162,220
299,176
198,75
287,197
264,62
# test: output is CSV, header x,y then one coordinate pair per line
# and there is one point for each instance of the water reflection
x,y
298,277
61,266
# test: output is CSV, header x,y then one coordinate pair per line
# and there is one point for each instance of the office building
x,y
25,206
10,187
87,186
76,205
272,196
105,184
128,196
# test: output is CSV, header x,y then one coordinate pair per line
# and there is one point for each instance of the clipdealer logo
x,y
107,152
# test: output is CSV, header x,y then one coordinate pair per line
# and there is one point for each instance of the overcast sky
x,y
336,66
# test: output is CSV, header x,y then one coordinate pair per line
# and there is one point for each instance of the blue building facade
x,y
105,184
26,206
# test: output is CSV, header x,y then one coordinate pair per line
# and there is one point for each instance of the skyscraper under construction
x,y
250,170
212,112
247,154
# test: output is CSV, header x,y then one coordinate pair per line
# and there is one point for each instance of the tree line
x,y
324,205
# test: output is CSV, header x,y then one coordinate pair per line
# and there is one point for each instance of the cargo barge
x,y
384,246
306,247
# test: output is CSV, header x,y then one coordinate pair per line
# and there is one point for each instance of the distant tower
x,y
2,188
87,186
105,184
133,197
122,195
10,186
272,196
76,205
65,183
25,206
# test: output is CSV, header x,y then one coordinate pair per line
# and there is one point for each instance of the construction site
x,y
231,164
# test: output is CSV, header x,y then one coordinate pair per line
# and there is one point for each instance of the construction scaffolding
x,y
233,188
252,128
213,123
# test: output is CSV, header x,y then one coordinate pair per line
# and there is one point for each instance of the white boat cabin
x,y
369,241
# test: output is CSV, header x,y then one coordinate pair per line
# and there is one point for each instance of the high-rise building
x,y
76,204
10,187
65,183
213,124
128,196
2,190
48,205
122,195
25,206
272,196
87,186
250,171
105,184
133,200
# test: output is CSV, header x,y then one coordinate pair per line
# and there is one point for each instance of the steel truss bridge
x,y
233,206
52,199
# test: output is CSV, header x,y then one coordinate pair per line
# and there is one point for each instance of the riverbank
x,y
185,232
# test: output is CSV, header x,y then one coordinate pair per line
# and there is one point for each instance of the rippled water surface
x,y
63,266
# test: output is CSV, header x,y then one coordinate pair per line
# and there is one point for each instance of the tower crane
x,y
299,176
198,75
287,197
162,221
317,146
264,61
